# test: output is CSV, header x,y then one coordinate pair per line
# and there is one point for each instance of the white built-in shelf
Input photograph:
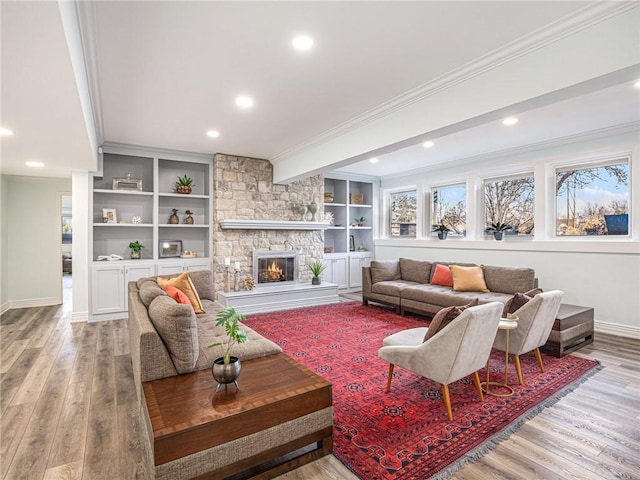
x,y
122,192
182,195
353,205
272,225
335,204
336,228
110,225
183,225
360,228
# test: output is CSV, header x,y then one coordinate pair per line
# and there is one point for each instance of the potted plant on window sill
x,y
226,369
316,268
442,230
136,250
498,229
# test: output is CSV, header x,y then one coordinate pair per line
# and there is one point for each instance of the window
x,y
510,201
449,206
403,214
593,200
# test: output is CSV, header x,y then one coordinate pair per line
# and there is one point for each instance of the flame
x,y
274,272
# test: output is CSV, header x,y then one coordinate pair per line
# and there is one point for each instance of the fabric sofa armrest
x,y
366,284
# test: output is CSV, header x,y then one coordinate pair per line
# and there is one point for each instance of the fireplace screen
x,y
274,267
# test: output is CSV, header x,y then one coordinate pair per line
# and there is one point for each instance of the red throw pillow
x,y
442,276
444,317
518,300
178,295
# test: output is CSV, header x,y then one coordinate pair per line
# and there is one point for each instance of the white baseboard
x,y
5,307
616,329
77,317
34,302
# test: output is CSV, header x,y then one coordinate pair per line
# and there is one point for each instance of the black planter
x,y
315,281
442,235
498,235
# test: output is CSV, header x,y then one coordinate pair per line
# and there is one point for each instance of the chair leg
x,y
539,358
390,378
447,401
476,381
516,361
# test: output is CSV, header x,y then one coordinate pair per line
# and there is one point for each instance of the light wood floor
x,y
67,411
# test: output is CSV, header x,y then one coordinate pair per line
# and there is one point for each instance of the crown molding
x,y
532,147
541,38
233,224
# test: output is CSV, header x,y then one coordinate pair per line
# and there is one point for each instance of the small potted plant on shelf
x,y
316,268
498,229
184,184
359,221
442,230
136,249
189,219
226,369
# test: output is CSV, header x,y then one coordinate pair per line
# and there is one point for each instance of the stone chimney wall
x,y
244,189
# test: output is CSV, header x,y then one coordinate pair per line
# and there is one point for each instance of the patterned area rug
x,y
405,434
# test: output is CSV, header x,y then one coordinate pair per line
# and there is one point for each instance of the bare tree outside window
x,y
510,201
449,207
593,200
403,214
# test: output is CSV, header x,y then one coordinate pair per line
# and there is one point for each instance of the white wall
x,y
33,239
603,272
4,256
81,215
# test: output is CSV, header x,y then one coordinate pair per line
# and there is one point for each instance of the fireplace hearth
x,y
275,266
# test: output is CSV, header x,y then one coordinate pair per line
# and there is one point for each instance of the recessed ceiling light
x,y
34,164
373,160
510,121
302,42
637,84
213,133
244,102
5,132
428,144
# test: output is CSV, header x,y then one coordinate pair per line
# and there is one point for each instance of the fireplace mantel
x,y
272,225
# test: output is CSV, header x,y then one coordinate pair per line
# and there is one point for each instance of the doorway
x,y
66,235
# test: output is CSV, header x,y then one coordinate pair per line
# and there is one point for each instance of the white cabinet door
x,y
108,287
198,265
133,273
336,271
356,262
174,268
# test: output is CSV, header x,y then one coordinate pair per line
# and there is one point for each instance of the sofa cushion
x,y
445,316
468,279
518,300
391,287
176,324
184,283
382,271
509,279
442,276
418,271
149,290
203,283
178,295
437,295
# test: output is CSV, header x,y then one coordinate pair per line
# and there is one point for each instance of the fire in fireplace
x,y
275,266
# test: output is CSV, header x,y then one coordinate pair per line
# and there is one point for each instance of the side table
x,y
507,324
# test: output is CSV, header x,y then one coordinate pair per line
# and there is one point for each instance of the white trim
x,y
34,302
235,224
616,329
77,317
5,307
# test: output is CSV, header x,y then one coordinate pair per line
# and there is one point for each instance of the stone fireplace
x,y
275,267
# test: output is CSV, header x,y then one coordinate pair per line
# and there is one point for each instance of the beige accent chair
x,y
535,321
459,349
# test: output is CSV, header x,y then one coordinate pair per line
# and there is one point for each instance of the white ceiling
x,y
163,73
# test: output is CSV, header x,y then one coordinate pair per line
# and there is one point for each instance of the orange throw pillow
x,y
183,283
178,295
468,279
442,276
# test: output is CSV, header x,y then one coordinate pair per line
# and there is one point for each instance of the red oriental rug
x,y
405,434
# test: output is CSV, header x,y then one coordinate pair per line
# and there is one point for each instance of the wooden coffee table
x,y
188,416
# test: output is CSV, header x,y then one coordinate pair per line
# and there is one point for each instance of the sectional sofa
x,y
406,284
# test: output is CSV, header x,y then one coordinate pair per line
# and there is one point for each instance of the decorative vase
x,y
313,209
315,281
328,197
189,220
226,373
184,189
442,235
498,235
136,255
174,219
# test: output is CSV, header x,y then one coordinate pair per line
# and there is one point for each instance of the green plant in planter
x,y
360,221
442,230
228,318
316,268
136,246
498,227
184,184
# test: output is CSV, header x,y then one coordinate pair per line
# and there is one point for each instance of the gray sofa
x,y
406,285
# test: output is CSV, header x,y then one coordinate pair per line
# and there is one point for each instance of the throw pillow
x,y
178,295
415,270
442,276
445,316
468,279
203,283
383,271
177,326
183,282
518,300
